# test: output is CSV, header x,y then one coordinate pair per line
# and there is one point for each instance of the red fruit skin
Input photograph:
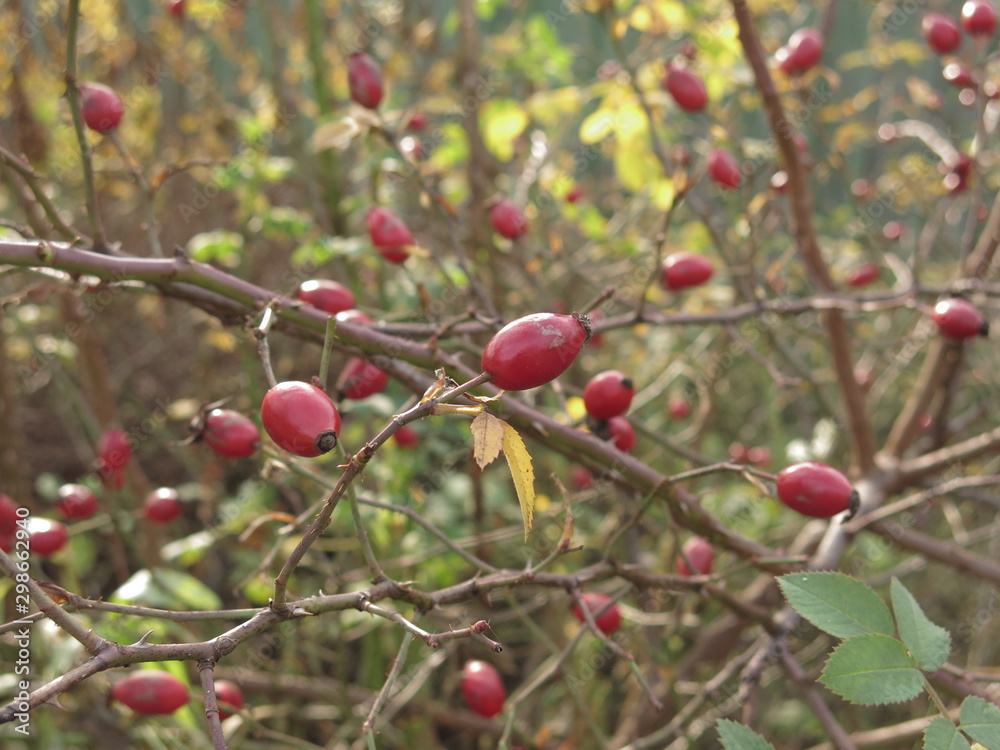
x,y
301,418
176,9
327,295
759,455
46,537
76,502
162,505
621,433
699,553
534,350
959,75
979,17
418,121
941,32
508,220
8,515
152,692
863,275
113,453
683,270
101,108
608,394
361,379
958,319
686,88
364,78
608,621
580,478
406,437
389,234
679,408
815,490
230,434
353,316
575,194
228,693
724,169
483,689
803,51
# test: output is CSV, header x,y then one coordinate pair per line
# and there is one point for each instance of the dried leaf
x,y
519,461
487,438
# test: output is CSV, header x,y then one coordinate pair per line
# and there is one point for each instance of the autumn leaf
x,y
519,461
487,438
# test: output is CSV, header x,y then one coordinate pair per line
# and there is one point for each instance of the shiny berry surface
x,y
389,234
508,220
814,489
229,696
364,78
46,537
151,691
958,75
176,9
353,316
863,275
483,689
361,379
724,169
534,350
76,502
162,505
979,17
699,553
684,270
230,434
327,295
958,319
608,621
608,394
113,453
621,433
301,418
803,51
686,88
101,108
941,32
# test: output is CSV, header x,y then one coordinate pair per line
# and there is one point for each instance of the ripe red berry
x,y
534,350
8,523
759,455
609,619
816,490
46,537
804,49
608,394
162,505
101,108
483,689
508,220
417,121
683,270
941,32
113,453
687,88
724,169
353,316
406,437
580,478
151,691
176,9
959,75
979,17
779,180
958,319
301,418
76,502
621,433
389,234
361,379
327,295
575,194
364,78
228,694
699,553
893,230
679,408
863,274
230,434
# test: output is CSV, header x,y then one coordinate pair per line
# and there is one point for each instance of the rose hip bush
x,y
755,226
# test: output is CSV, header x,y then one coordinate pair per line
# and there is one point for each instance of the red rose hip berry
x,y
76,502
46,537
327,295
361,379
364,78
508,220
608,394
608,619
621,433
863,275
229,695
534,350
152,692
686,88
816,490
483,689
958,319
230,434
804,50
406,437
699,553
389,234
113,453
979,17
301,418
724,169
941,32
162,505
683,270
101,108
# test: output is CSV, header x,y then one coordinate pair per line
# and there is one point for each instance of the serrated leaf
x,y
941,734
487,438
872,669
928,643
836,603
519,461
738,737
980,720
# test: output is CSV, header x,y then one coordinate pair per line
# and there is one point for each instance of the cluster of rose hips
x,y
154,692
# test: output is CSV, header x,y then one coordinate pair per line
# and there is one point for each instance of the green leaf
x,y
942,735
981,721
928,643
836,603
503,122
872,669
163,588
738,737
220,246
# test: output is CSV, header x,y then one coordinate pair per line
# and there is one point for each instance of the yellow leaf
x,y
519,461
597,126
487,438
503,122
336,135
